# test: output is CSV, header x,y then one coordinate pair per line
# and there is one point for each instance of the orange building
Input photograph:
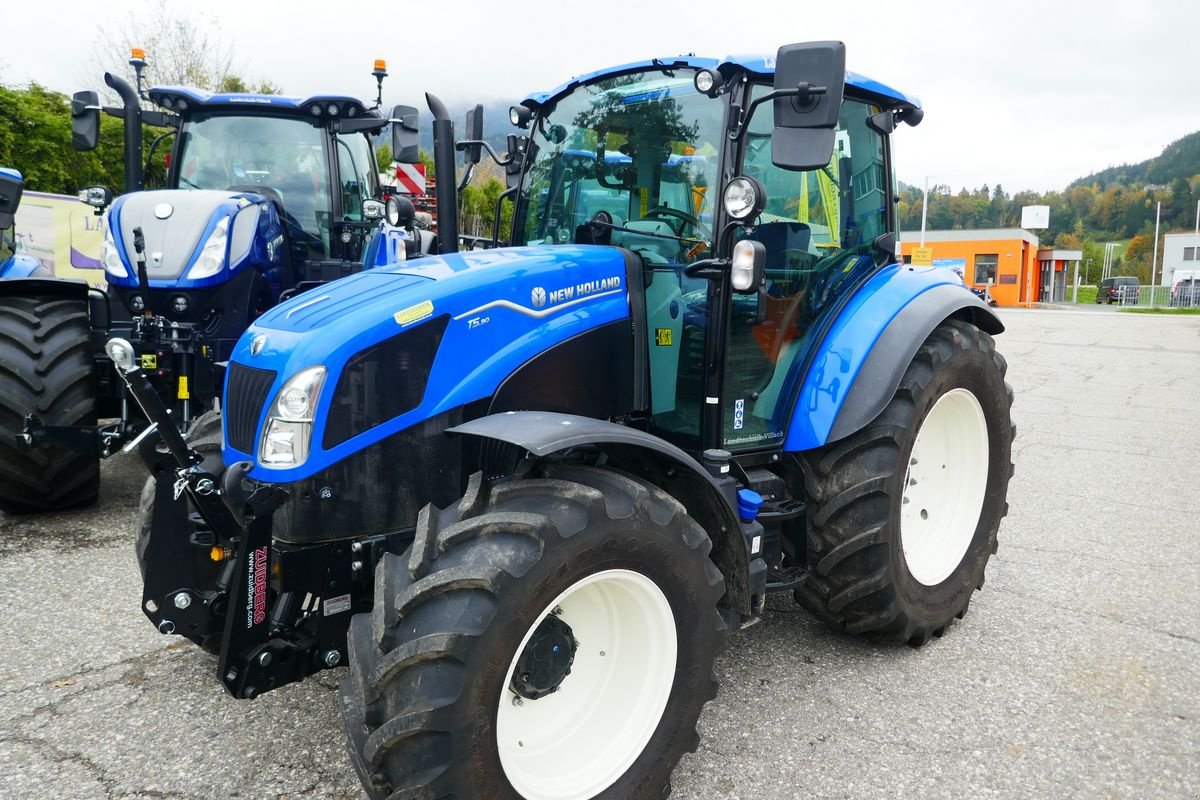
x,y
1002,260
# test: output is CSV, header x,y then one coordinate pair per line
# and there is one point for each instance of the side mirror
x,y
98,197
85,120
406,137
474,132
813,76
11,187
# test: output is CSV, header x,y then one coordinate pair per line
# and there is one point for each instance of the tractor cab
x,y
676,161
292,183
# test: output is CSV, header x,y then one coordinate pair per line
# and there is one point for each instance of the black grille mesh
x,y
245,395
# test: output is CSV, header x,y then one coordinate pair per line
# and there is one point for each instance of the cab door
x,y
818,229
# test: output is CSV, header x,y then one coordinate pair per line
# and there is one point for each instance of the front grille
x,y
246,391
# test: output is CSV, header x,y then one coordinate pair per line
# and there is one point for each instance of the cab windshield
x,y
282,158
643,149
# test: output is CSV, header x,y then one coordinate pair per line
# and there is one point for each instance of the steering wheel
x,y
667,211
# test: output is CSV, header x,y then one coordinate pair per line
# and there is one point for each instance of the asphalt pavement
x,y
1076,672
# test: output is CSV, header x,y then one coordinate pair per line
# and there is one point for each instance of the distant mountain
x,y
1179,159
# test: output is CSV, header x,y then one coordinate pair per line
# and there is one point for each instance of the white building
x,y
1180,258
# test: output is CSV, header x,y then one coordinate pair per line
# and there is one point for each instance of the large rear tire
x,y
46,368
903,515
545,638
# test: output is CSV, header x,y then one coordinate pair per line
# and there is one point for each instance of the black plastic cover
x,y
383,381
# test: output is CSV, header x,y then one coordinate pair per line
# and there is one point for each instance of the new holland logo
x,y
257,344
539,297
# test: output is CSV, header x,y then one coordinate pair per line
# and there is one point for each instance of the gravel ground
x,y
1075,674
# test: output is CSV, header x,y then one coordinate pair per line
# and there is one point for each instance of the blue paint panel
x,y
11,173
845,348
199,100
505,307
757,64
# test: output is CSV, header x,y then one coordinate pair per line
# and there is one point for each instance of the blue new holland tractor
x,y
265,197
525,493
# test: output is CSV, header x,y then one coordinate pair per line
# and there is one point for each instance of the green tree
x,y
35,137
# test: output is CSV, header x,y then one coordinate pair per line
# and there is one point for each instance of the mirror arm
x,y
465,143
468,173
805,92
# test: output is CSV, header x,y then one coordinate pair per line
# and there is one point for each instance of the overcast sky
x,y
1030,95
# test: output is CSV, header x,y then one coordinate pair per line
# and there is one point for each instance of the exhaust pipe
x,y
444,163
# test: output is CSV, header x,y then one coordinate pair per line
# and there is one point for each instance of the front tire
x,y
547,638
903,515
46,368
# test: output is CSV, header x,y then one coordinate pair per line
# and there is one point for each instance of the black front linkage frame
x,y
261,608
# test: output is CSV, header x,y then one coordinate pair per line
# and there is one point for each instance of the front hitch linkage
x,y
232,514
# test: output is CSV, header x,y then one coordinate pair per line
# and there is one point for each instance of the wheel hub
x,y
546,661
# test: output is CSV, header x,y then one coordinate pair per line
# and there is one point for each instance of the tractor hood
x,y
459,324
192,238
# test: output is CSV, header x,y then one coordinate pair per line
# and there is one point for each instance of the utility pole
x,y
925,210
1154,263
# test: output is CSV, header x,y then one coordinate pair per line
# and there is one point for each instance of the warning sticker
x,y
149,361
662,337
414,313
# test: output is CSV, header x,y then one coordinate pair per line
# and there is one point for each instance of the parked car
x,y
1111,290
1186,293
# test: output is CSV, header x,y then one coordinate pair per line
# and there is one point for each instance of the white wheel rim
x,y
944,487
577,741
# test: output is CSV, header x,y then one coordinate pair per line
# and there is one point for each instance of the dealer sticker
x,y
414,313
336,605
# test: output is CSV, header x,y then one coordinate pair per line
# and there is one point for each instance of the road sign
x,y
410,178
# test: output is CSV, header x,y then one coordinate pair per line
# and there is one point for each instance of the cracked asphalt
x,y
1075,674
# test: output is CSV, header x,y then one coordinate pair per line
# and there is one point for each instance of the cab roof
x,y
184,100
763,65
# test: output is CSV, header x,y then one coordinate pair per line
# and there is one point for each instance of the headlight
x,y
288,434
212,255
744,198
113,264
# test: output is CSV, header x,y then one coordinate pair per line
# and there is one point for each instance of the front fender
x,y
855,370
711,501
23,266
40,286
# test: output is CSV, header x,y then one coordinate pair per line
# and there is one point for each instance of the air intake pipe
x,y
444,163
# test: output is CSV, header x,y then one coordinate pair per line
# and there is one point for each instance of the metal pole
x,y
1154,263
1196,251
924,210
1075,296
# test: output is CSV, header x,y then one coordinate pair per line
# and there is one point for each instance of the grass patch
x,y
1178,311
1087,294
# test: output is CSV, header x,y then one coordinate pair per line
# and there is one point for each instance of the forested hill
x,y
1179,159
1114,204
